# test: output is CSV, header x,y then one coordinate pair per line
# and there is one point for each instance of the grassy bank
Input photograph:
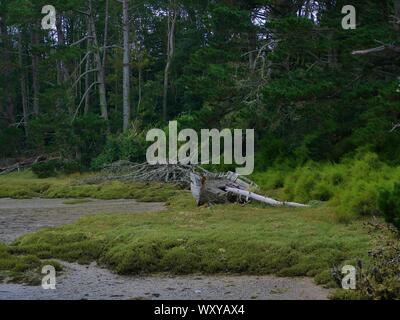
x,y
22,268
186,239
26,185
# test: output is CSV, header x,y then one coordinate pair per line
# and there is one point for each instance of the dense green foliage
x,y
352,186
53,168
380,279
312,98
325,122
284,68
389,203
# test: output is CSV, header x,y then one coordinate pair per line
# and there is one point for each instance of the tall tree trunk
x,y
140,71
35,74
397,13
87,76
10,113
99,66
106,21
62,70
7,70
172,16
23,85
252,49
126,67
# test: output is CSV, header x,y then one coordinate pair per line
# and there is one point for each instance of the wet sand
x,y
93,283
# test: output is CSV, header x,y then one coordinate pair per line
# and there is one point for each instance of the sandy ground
x,y
94,283
18,217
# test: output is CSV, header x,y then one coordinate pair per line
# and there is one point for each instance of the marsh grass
x,y
23,268
25,185
350,187
221,239
186,239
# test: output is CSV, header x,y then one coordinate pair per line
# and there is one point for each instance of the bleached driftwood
x,y
227,188
269,201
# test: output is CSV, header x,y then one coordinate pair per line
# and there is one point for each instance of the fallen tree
x,y
229,187
207,187
253,196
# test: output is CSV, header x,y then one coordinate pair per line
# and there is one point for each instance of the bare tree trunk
x,y
35,78
99,66
106,21
23,85
252,49
62,71
140,89
87,76
172,16
397,14
7,70
126,67
61,41
332,54
10,113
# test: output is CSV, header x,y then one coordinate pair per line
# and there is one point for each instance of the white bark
x,y
126,66
35,76
99,65
256,197
172,16
23,85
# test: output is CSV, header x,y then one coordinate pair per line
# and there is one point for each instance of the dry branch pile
x,y
127,171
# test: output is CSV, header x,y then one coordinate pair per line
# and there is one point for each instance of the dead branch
x,y
386,47
25,164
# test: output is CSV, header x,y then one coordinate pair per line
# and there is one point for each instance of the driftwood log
x,y
266,200
229,188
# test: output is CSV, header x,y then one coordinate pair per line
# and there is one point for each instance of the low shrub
x,y
352,186
389,204
378,279
128,146
54,168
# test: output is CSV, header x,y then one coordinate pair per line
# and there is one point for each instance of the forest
x,y
324,100
316,94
